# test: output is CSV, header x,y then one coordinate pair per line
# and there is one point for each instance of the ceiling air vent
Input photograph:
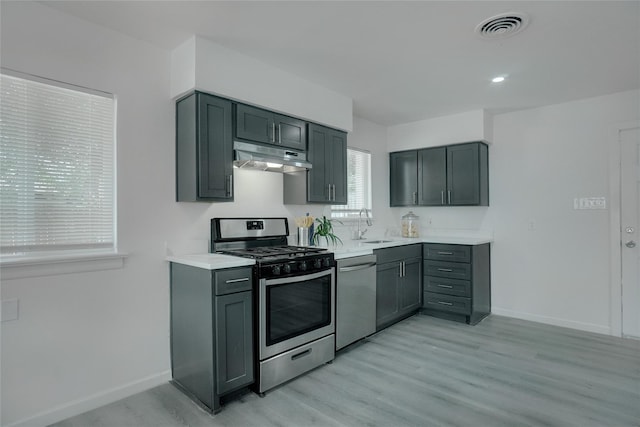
x,y
503,25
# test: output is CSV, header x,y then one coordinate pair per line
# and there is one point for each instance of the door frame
x,y
615,249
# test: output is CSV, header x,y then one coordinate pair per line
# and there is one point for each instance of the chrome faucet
x,y
361,232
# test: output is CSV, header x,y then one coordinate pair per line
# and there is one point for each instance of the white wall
x,y
464,127
550,263
86,339
201,64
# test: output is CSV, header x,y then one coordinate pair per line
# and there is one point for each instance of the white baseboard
x,y
85,404
588,327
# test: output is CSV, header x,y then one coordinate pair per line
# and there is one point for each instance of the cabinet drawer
x,y
233,280
442,285
399,253
446,303
456,253
451,270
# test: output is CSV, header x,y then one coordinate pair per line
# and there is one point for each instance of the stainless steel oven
x,y
295,310
296,292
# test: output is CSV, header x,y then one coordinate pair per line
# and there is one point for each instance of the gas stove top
x,y
265,240
274,253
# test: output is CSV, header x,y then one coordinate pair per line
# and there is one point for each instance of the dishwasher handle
x,y
356,267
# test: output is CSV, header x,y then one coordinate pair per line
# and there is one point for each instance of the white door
x,y
629,233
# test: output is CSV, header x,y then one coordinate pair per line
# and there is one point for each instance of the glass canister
x,y
410,225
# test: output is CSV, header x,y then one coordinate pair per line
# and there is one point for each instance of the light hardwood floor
x,y
429,372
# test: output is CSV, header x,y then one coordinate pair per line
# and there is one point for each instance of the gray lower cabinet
x,y
457,282
204,149
398,283
211,332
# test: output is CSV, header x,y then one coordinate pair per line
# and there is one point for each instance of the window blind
x,y
56,167
358,185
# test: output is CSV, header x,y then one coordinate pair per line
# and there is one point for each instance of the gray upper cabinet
x,y
204,149
403,167
468,175
258,125
454,175
327,180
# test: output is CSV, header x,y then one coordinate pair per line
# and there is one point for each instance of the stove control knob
x,y
317,263
275,270
326,262
303,266
287,268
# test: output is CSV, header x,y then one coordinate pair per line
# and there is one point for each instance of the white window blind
x,y
358,185
56,167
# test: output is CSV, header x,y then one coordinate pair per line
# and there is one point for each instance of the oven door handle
x,y
356,267
297,278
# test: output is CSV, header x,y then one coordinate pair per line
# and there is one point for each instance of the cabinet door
x,y
318,154
463,174
432,176
234,341
338,163
291,132
215,148
411,286
387,276
255,124
403,173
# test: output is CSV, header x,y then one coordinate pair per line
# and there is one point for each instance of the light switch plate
x,y
9,309
590,203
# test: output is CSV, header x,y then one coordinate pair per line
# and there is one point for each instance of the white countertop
x,y
211,261
349,248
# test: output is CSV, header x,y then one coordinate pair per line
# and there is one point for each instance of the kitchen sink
x,y
377,241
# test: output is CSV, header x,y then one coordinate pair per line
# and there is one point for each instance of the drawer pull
x,y
302,354
444,253
440,303
445,286
446,270
244,279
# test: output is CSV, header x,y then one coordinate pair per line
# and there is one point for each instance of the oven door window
x,y
296,308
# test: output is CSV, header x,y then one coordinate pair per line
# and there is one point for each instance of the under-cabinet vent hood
x,y
272,159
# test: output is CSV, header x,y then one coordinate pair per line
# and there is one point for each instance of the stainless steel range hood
x,y
271,159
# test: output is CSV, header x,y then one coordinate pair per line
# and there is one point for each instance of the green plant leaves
x,y
324,229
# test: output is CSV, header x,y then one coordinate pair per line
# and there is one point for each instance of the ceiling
x,y
406,61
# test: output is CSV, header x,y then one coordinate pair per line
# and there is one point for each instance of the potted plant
x,y
324,229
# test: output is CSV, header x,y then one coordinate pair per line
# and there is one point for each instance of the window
x,y
57,160
358,185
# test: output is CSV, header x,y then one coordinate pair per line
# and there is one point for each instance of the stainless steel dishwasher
x,y
355,299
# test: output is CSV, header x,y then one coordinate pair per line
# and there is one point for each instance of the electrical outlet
x,y
590,203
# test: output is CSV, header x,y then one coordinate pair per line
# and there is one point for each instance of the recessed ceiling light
x,y
498,79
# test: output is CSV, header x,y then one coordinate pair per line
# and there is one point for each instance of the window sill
x,y
32,265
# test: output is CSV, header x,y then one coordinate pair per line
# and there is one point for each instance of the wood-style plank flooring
x,y
425,371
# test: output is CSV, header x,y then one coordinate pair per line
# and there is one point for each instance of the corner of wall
x,y
183,68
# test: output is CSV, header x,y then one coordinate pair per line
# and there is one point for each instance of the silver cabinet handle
x,y
273,132
244,279
279,133
445,270
444,253
445,286
442,197
415,197
449,197
229,185
444,303
630,244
